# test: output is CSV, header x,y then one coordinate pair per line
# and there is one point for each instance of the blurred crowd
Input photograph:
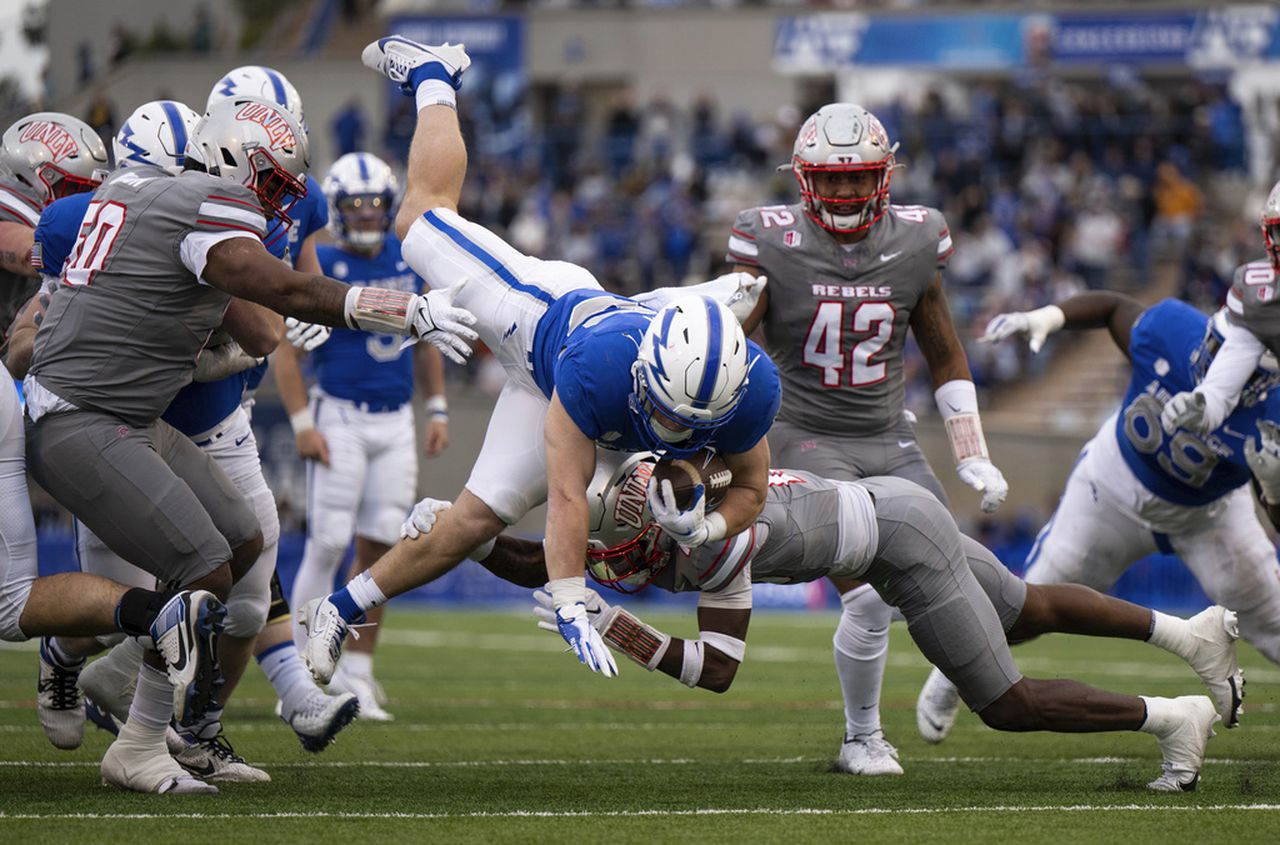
x,y
1050,187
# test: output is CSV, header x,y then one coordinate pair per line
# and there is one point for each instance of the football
x,y
705,467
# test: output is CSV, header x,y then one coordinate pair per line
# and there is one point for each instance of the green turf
x,y
500,738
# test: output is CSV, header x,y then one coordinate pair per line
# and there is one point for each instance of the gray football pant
x,y
893,452
149,493
958,600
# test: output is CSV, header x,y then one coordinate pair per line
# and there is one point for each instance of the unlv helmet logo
x,y
279,135
56,139
876,132
629,508
791,238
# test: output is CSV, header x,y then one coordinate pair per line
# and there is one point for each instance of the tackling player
x,y
1136,489
849,274
962,606
358,431
583,366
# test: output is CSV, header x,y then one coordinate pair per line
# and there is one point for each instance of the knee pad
x,y
249,599
863,631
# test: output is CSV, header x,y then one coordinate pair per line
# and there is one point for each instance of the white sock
x,y
152,706
287,674
435,92
365,592
1171,634
1162,715
861,649
358,663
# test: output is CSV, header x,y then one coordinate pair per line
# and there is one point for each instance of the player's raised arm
x,y
1094,310
955,395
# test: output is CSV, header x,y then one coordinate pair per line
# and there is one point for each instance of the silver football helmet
x,y
155,135
1270,221
258,144
362,193
623,548
54,153
842,138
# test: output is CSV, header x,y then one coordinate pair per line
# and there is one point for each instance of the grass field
x,y
499,738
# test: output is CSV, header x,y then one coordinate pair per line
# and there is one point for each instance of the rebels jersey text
x,y
1185,468
837,317
123,331
362,366
583,350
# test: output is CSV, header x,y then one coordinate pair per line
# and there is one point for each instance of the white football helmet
x,y
258,144
1270,222
1264,379
362,193
155,135
691,371
258,81
843,138
54,153
624,552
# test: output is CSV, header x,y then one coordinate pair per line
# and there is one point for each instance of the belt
x,y
366,407
216,433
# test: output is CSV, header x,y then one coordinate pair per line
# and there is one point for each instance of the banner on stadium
x,y
1222,37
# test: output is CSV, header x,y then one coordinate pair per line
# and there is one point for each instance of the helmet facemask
x,y
631,566
835,201
363,219
1271,235
277,188
58,183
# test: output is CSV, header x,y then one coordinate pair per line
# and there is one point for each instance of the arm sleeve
x,y
1231,368
742,239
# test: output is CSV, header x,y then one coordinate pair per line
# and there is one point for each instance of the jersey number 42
x,y
824,342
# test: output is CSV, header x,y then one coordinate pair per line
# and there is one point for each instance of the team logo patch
x,y
808,445
279,135
54,138
791,239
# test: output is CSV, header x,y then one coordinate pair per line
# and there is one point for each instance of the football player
x,y
850,273
1137,489
583,366
961,605
358,431
1251,331
154,268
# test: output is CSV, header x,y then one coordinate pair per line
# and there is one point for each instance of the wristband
x,y
378,310
567,591
437,406
691,668
483,550
730,647
957,402
301,421
716,527
638,640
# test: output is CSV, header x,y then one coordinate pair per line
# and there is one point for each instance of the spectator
x,y
101,116
348,128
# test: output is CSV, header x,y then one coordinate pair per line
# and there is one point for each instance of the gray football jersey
x,y
795,539
1252,303
838,316
18,204
123,333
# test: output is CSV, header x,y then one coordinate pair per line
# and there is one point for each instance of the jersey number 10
x,y
824,342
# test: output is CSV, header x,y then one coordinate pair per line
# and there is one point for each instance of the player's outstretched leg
x,y
860,648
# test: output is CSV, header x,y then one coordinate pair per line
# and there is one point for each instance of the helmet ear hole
x,y
227,158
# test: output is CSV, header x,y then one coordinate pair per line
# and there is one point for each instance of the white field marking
x,y
675,761
708,811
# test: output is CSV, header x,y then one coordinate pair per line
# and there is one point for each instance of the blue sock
x,y
350,610
431,70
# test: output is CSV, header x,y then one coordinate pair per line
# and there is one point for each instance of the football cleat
x,y
937,707
364,690
396,58
102,719
1216,630
326,631
868,754
1182,744
212,759
320,717
186,633
58,701
133,764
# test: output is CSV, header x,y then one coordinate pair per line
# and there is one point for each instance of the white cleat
x,y
58,701
1216,630
868,754
364,690
326,631
319,717
1182,744
186,633
396,57
133,764
937,707
212,759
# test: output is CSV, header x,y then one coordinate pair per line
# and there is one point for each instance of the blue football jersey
x,y
56,233
1187,468
363,366
589,368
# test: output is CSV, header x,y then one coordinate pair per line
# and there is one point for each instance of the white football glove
x,y
569,597
423,517
226,359
434,318
599,612
305,336
686,527
1188,410
743,300
1263,455
983,476
1036,325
